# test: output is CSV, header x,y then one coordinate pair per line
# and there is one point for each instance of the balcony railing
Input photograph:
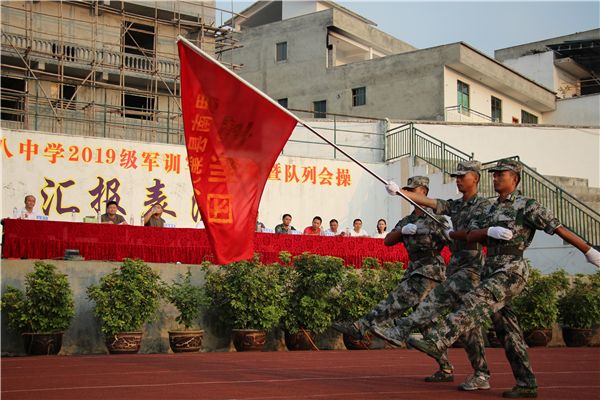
x,y
464,114
74,53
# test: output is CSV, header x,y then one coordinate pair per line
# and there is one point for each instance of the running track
x,y
563,373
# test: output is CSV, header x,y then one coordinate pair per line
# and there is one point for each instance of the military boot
x,y
352,329
426,347
520,392
475,382
441,376
390,335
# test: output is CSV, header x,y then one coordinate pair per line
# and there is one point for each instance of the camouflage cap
x,y
507,165
467,166
416,181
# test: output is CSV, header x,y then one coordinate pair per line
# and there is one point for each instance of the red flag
x,y
233,135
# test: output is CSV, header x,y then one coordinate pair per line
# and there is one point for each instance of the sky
x,y
484,25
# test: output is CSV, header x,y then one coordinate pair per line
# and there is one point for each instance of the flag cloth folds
x,y
233,135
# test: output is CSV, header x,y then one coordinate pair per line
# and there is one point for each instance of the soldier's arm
x,y
458,235
392,238
572,239
542,218
477,235
420,199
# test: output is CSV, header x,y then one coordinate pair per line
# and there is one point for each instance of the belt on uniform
x,y
504,251
417,255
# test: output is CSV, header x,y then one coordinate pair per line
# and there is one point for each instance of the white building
x,y
570,66
323,58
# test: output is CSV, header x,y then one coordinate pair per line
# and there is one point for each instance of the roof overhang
x,y
495,75
572,67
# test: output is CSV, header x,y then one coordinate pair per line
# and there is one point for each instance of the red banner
x,y
233,135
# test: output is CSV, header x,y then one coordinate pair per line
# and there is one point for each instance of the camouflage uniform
x,y
503,278
463,276
425,271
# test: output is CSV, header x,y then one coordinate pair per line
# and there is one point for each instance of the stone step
x,y
587,194
568,182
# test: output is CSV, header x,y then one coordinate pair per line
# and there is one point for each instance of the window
x,y
140,107
13,98
463,97
282,51
359,96
138,39
283,102
496,109
63,94
527,118
320,109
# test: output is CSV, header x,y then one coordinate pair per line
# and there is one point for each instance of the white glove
x,y
392,188
409,229
593,257
447,234
500,233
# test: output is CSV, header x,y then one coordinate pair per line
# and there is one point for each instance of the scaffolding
x,y
101,68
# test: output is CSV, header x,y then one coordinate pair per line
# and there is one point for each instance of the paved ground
x,y
563,373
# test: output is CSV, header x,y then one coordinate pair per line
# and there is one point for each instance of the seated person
x,y
358,231
285,226
381,229
111,216
334,229
315,228
153,217
259,225
29,211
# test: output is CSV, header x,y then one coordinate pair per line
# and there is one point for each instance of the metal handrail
x,y
407,140
571,212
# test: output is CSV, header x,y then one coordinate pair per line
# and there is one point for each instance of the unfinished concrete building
x,y
100,68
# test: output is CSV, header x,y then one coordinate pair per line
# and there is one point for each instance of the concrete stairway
x,y
579,188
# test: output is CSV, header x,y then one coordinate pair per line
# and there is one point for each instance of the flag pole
x,y
371,172
300,121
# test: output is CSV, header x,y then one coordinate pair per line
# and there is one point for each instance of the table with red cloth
x,y
50,239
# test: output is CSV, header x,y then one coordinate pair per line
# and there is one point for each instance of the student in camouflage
x,y
423,239
462,276
507,228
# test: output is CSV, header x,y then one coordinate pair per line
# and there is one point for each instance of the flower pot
x,y
353,344
124,343
42,344
249,339
301,340
185,341
575,337
538,337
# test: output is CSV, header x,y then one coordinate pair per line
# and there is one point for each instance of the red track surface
x,y
563,373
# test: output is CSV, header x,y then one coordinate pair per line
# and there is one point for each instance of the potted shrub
x,y
248,297
189,301
125,300
362,289
579,310
313,287
537,306
43,311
